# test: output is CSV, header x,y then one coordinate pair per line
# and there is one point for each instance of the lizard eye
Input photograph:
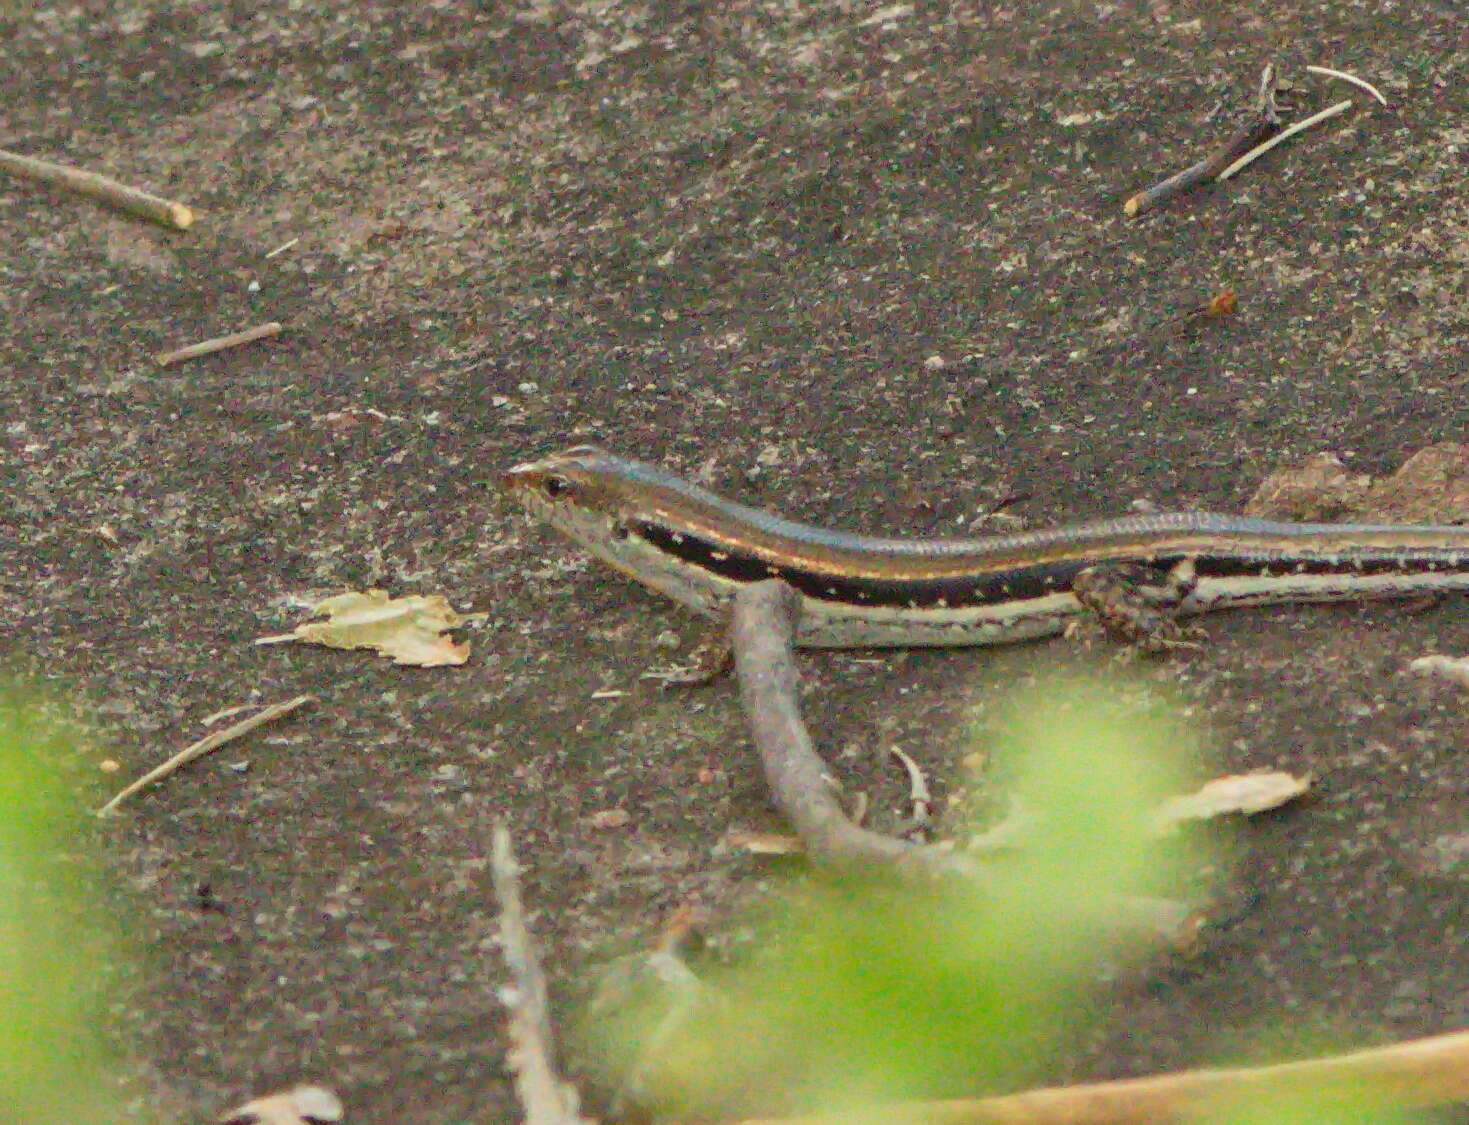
x,y
555,487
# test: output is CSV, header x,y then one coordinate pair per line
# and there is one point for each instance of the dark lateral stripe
x,y
954,593
1033,581
1405,562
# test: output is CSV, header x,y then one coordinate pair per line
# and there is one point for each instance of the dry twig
x,y
1414,1073
765,616
544,1096
219,343
204,746
1263,123
151,207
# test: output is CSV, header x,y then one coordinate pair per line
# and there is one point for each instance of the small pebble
x,y
610,818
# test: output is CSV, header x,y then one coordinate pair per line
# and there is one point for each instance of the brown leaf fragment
x,y
1244,793
1432,486
410,629
300,1105
1224,304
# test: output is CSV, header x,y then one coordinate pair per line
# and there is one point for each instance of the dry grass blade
x,y
918,791
204,746
1360,83
1284,135
1412,1074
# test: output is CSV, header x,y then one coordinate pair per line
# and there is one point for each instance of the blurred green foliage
x,y
1308,1106
861,994
58,926
869,991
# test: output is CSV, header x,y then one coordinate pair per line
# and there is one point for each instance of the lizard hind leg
x,y
1138,604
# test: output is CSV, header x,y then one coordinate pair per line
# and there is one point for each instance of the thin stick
x,y
1264,123
219,343
1360,83
165,212
204,746
765,617
545,1098
1284,135
1413,1073
762,633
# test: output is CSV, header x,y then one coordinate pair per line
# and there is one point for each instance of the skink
x,y
860,591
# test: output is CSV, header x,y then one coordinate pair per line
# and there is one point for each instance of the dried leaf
x,y
1432,486
410,629
1246,793
301,1105
1455,669
764,843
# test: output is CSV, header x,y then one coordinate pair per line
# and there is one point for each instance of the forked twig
x,y
765,617
763,630
151,207
1263,124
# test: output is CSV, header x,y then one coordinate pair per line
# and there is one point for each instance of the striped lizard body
x,y
862,591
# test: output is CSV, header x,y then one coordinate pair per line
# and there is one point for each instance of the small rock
x,y
1319,488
